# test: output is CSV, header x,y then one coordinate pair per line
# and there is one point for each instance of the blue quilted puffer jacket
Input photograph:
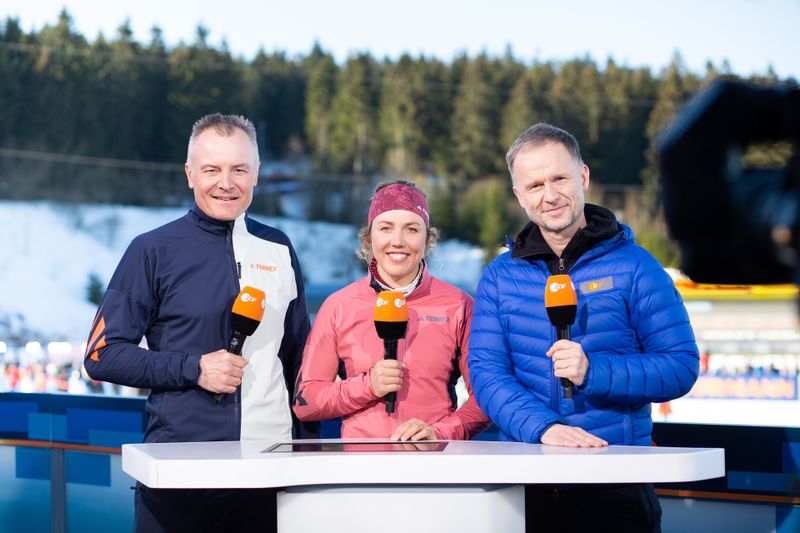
x,y
631,323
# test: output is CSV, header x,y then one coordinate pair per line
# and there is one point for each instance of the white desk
x,y
465,487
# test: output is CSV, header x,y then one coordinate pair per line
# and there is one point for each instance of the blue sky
x,y
750,34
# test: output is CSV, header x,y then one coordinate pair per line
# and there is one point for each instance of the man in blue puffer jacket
x,y
632,343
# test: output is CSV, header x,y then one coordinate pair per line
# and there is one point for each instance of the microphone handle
x,y
390,352
235,347
237,341
566,385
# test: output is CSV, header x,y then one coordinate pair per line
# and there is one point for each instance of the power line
x,y
107,162
268,177
131,164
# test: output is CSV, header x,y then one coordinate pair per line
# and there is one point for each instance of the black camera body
x,y
735,225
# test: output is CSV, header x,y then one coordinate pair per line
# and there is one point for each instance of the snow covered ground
x,y
49,251
731,412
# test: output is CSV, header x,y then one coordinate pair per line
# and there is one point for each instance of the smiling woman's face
x,y
398,240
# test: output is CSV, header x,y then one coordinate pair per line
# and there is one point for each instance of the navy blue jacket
x,y
175,287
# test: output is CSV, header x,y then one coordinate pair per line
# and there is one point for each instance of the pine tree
x,y
626,102
320,90
442,204
18,83
61,70
399,133
353,128
675,87
575,99
483,214
433,101
202,80
278,104
16,73
527,104
60,91
473,124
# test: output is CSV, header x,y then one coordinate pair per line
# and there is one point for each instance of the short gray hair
x,y
225,126
540,134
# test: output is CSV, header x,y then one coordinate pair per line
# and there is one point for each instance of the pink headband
x,y
399,196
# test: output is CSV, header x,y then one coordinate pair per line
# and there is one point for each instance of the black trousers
x,y
204,510
597,508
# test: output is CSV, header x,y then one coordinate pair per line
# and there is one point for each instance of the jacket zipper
x,y
555,396
237,271
591,254
237,266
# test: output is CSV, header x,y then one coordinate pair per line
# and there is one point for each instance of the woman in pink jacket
x,y
430,358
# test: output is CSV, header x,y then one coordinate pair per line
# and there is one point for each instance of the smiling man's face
x,y
222,172
550,185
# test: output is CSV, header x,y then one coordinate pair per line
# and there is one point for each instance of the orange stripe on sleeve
x,y
95,353
97,331
93,346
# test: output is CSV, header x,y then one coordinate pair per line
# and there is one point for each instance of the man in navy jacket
x,y
632,343
175,287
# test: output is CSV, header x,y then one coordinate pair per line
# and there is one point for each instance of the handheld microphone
x,y
561,303
246,315
391,322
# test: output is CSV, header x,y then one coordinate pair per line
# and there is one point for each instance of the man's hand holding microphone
x,y
570,363
221,372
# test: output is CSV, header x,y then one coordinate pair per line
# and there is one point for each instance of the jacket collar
x,y
601,225
422,289
211,225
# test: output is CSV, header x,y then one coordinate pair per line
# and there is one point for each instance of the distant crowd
x,y
67,378
54,378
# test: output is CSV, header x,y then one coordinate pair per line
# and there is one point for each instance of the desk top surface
x,y
248,464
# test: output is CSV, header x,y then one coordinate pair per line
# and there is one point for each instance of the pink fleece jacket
x,y
436,341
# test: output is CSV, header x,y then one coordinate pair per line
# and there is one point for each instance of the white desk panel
x,y
241,464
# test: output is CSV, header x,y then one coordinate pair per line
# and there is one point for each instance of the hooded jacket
x,y
630,322
344,341
175,286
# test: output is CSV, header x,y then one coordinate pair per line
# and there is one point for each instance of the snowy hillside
x,y
48,253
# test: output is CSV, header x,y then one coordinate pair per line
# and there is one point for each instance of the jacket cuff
x,y
588,379
538,438
191,369
597,373
362,390
449,429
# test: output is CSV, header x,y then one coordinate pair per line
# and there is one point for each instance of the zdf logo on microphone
x,y
246,298
398,302
555,287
